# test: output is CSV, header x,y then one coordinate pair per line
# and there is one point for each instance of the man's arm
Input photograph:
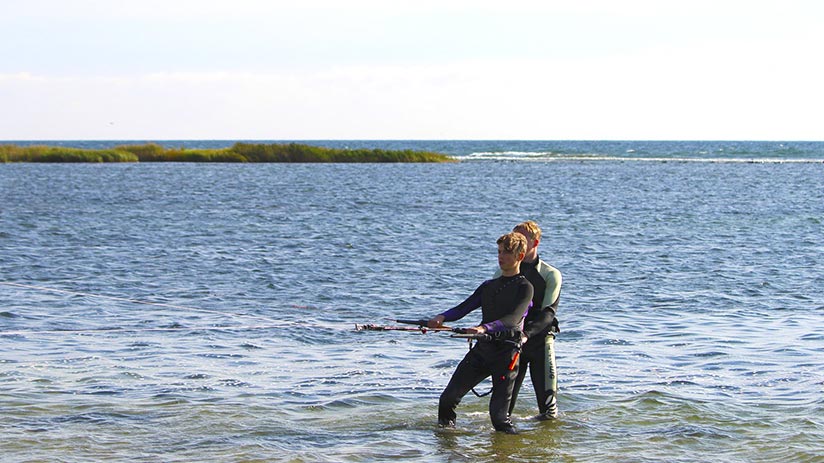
x,y
459,311
545,315
553,279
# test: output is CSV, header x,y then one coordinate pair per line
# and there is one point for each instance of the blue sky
x,y
369,69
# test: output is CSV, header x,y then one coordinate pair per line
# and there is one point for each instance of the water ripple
x,y
691,314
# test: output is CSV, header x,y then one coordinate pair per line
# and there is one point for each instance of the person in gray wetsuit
x,y
504,302
540,326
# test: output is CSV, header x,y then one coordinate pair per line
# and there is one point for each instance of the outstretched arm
x,y
459,311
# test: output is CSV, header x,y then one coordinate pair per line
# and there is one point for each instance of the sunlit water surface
x,y
691,313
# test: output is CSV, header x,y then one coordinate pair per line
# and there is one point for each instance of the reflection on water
x,y
691,317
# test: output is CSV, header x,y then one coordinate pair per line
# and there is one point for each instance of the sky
x,y
421,69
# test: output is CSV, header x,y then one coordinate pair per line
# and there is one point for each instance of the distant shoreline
x,y
237,153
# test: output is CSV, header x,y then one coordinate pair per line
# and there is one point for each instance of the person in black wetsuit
x,y
504,302
540,326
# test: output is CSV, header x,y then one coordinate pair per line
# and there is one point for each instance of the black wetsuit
x,y
504,301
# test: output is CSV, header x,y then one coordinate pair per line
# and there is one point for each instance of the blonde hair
x,y
513,242
529,228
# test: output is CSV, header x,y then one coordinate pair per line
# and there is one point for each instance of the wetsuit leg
x,y
469,373
503,383
526,359
543,373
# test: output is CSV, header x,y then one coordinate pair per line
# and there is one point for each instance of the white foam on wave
x,y
549,156
512,154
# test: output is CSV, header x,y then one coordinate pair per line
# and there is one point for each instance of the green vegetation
x,y
239,152
13,153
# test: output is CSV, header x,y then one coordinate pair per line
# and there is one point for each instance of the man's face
x,y
530,241
507,260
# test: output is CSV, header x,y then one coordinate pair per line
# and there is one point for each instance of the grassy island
x,y
239,152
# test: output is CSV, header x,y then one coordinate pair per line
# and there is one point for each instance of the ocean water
x,y
206,312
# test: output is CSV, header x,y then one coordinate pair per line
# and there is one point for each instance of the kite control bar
x,y
421,327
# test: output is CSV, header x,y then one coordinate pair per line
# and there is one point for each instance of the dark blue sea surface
x,y
205,312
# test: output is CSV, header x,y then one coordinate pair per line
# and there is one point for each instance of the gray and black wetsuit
x,y
504,302
540,325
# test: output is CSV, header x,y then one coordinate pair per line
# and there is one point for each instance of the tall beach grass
x,y
239,152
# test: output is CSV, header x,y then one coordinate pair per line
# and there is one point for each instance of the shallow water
x,y
691,313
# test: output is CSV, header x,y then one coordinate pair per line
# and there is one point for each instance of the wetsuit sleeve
x,y
545,315
513,318
468,305
553,289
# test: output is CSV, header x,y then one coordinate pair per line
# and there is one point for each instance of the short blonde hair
x,y
513,243
529,228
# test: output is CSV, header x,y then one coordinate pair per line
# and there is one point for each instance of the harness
x,y
491,338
